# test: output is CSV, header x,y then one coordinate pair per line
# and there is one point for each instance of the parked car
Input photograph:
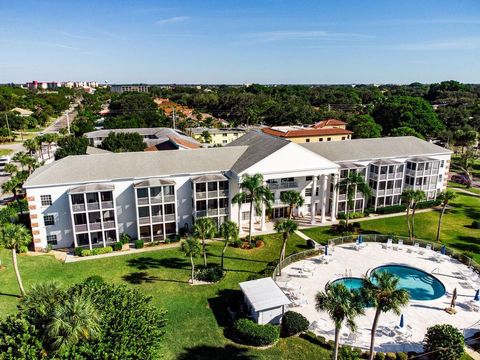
x,y
459,179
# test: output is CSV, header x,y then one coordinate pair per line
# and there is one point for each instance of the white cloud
x,y
172,20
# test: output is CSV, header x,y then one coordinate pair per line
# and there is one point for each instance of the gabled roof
x,y
300,132
264,294
134,165
259,147
377,148
329,122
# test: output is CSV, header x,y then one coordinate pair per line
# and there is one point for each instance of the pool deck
x,y
419,315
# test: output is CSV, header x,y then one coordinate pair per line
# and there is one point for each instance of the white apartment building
x,y
90,200
127,88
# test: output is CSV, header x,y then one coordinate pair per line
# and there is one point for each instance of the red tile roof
x,y
306,132
329,122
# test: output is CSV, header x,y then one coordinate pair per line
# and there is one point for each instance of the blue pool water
x,y
420,285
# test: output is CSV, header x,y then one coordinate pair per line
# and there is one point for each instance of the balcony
x,y
144,220
212,212
81,228
78,207
223,211
169,217
109,224
142,201
95,226
201,195
107,205
212,194
93,206
169,198
156,200
223,193
157,238
283,185
157,219
201,213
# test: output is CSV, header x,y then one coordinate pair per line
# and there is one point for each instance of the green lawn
x,y
4,152
195,313
454,185
455,232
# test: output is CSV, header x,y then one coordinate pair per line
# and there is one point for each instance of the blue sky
x,y
232,41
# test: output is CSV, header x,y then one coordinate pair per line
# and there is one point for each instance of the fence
x,y
379,238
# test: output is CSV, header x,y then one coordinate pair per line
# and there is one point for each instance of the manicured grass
x,y
196,314
455,233
454,185
4,152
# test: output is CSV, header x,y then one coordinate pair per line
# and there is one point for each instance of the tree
x,y
229,232
382,291
406,131
364,126
407,197
343,306
28,162
13,237
444,342
413,112
12,186
49,138
445,197
286,228
191,248
71,145
418,196
353,183
123,142
293,199
8,214
257,194
19,340
204,228
207,137
466,163
32,146
72,321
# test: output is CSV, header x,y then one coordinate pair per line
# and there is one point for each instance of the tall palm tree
x,y
293,199
191,248
445,197
32,146
353,183
204,228
286,228
407,197
418,196
254,192
72,321
343,306
40,301
12,237
382,291
229,231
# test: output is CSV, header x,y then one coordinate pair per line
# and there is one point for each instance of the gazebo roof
x,y
264,294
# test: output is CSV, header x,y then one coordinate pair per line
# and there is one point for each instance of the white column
x,y
313,206
262,223
239,218
324,197
333,208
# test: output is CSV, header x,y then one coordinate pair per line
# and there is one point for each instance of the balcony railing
x,y
201,195
142,201
283,185
81,228
93,206
157,219
201,213
78,207
169,198
223,193
223,211
169,217
95,226
107,204
156,200
144,220
157,237
109,224
213,194
212,212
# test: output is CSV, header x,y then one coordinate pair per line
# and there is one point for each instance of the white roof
x,y
264,294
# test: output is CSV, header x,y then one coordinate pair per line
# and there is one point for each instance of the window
x,y
442,163
343,137
224,134
307,140
224,141
52,239
308,192
308,178
329,139
439,178
245,215
320,139
48,220
46,200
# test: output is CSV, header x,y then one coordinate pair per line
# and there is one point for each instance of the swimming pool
x,y
420,285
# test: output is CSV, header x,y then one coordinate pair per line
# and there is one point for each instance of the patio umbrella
x,y
401,321
326,250
477,296
443,251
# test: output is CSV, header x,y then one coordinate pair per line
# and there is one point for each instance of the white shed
x,y
266,301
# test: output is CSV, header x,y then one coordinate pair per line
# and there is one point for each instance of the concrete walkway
x,y
467,192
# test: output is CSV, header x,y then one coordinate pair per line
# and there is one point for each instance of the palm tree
x,y
342,305
42,298
29,163
12,237
206,136
286,227
32,146
352,184
191,248
254,192
72,321
204,228
10,169
445,197
293,199
229,231
382,291
50,138
407,198
418,196
8,214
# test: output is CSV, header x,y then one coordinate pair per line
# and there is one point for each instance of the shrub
x,y
86,252
210,273
348,353
476,224
293,323
390,356
78,251
23,249
402,356
427,204
139,244
174,238
102,250
94,279
379,356
445,341
330,345
125,239
117,246
254,334
49,248
312,338
412,354
391,209
237,243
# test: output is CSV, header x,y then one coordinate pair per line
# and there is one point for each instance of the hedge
x,y
391,209
351,215
428,204
96,251
117,246
293,323
254,334
139,244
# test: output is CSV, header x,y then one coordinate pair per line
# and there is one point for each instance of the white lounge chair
x,y
400,244
389,243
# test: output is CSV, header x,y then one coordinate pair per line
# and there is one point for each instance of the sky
x,y
235,42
